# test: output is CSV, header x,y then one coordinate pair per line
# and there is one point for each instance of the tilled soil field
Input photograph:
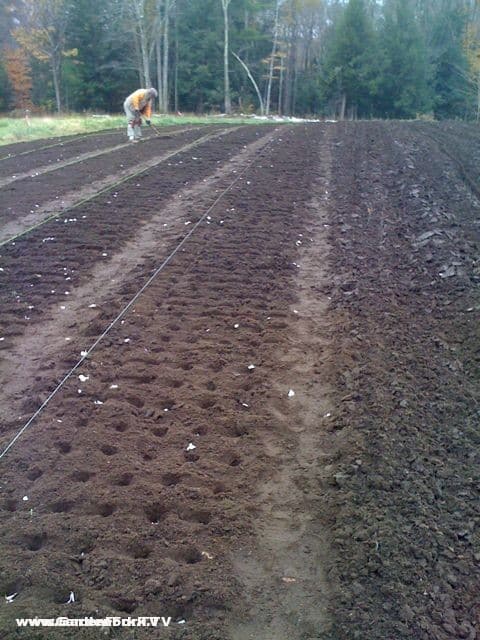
x,y
255,352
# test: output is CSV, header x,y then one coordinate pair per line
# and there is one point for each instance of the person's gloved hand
x,y
148,122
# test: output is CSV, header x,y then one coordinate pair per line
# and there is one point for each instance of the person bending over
x,y
138,104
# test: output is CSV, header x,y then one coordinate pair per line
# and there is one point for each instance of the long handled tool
x,y
157,131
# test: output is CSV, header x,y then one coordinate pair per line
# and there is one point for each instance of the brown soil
x,y
21,198
315,339
28,147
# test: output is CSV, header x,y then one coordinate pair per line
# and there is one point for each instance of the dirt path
x,y
284,572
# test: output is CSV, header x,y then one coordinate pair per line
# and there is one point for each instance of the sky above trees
x,y
355,58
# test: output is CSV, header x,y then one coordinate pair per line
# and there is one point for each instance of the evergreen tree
x,y
449,64
5,88
404,83
103,72
200,66
349,71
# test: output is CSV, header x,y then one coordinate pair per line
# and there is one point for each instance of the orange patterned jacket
x,y
139,100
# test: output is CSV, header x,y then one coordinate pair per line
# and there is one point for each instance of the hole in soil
x,y
179,611
135,401
189,555
138,550
108,449
217,366
144,379
124,480
62,506
83,542
160,431
120,603
35,542
81,476
63,447
121,427
236,430
271,340
174,327
232,459
278,325
104,509
195,515
167,403
171,479
31,405
191,456
218,488
186,366
211,386
15,585
94,329
156,512
206,403
34,473
11,505
201,430
165,338
175,384
157,349
61,595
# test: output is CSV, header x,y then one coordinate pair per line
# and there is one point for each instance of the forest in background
x,y
328,58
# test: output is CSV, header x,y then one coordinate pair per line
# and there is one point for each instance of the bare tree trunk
x,y
145,57
343,106
56,83
478,97
138,62
158,55
175,73
137,10
280,89
228,101
252,80
272,58
287,95
166,19
291,60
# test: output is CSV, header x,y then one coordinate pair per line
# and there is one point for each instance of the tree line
x,y
355,58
